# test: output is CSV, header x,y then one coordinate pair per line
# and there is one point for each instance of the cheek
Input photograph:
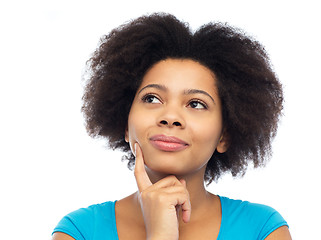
x,y
207,136
136,125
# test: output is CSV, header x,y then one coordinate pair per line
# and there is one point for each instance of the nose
x,y
167,123
171,118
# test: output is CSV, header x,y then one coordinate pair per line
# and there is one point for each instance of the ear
x,y
126,135
224,142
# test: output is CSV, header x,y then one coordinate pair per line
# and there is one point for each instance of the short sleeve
x,y
67,226
95,222
77,224
245,220
274,222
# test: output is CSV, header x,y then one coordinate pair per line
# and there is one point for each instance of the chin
x,y
167,167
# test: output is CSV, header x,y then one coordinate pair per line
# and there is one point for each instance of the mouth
x,y
168,143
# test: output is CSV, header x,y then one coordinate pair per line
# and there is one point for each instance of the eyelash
x,y
198,101
147,96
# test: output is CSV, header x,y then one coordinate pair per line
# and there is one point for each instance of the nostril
x,y
163,122
166,123
177,124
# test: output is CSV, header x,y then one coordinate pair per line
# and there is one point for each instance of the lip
x,y
168,143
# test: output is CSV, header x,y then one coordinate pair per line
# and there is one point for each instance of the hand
x,y
160,202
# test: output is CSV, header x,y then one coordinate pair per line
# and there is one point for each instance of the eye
x,y
150,99
197,104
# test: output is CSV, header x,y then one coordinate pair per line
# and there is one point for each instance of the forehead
x,y
180,73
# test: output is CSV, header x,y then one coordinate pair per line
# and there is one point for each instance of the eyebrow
x,y
193,91
158,86
186,92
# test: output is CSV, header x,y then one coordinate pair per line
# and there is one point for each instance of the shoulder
x,y
253,219
84,223
103,210
244,208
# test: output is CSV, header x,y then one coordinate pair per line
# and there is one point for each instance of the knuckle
x,y
173,179
148,196
182,190
144,195
161,197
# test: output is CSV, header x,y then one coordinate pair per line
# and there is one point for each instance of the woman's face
x,y
176,117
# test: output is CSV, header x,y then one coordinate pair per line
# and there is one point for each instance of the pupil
x,y
194,104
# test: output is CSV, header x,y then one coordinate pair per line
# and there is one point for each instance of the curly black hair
x,y
251,94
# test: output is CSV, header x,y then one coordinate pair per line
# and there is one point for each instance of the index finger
x,y
140,173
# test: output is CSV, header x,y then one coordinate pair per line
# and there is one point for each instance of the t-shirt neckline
x,y
218,236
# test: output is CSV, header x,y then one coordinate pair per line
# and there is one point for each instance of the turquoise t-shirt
x,y
240,220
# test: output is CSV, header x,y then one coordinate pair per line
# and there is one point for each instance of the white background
x,y
49,166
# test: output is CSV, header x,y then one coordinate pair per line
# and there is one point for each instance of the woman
x,y
186,107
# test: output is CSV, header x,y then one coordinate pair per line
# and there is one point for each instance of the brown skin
x,y
159,213
174,179
250,91
177,98
171,201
